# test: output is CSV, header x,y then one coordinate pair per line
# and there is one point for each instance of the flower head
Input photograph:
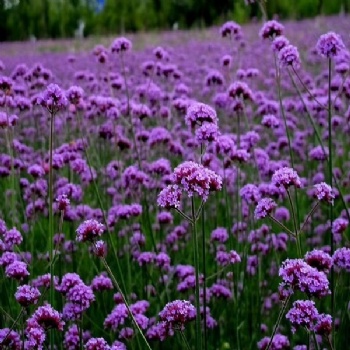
x,y
341,258
285,177
330,45
170,197
27,295
319,259
195,178
271,29
121,45
198,113
324,192
89,230
289,56
53,98
47,317
177,313
302,314
265,207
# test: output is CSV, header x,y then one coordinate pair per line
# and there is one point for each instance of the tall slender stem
x,y
297,236
51,226
196,265
204,282
280,315
116,285
330,170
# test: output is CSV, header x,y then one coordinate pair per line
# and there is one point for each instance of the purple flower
x,y
35,335
117,345
75,94
289,56
271,29
279,43
324,192
121,45
8,258
319,259
69,280
47,317
270,121
330,45
323,324
13,340
146,258
208,132
199,113
265,207
177,313
17,270
285,177
195,178
319,153
100,249
72,339
62,202
36,170
101,283
165,217
338,228
163,260
89,230
81,295
219,235
241,90
341,258
170,197
117,317
27,295
231,29
250,193
53,98
13,237
97,344
279,342
297,274
302,314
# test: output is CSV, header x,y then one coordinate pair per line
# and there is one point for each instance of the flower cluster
x,y
89,230
305,314
330,45
286,177
196,179
177,313
298,275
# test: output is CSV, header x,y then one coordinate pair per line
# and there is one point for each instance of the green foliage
x,y
60,18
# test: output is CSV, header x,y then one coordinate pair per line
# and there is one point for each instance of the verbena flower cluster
x,y
230,127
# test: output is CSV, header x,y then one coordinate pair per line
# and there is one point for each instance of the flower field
x,y
183,190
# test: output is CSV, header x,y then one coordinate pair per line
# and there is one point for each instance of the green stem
x,y
280,315
51,224
13,190
185,340
116,285
196,264
319,139
315,341
99,199
204,282
13,325
282,226
308,217
297,236
330,170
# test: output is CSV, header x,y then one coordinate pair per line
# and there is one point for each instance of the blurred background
x,y
37,19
